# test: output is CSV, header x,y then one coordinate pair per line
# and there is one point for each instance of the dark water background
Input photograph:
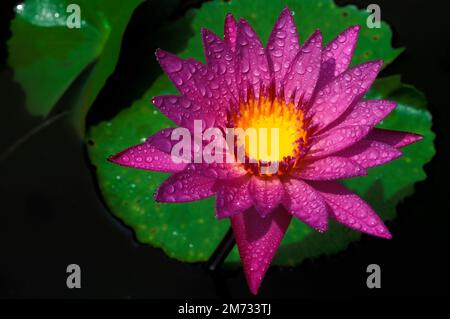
x,y
51,214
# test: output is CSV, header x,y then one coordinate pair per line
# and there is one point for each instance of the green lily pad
x,y
47,55
190,232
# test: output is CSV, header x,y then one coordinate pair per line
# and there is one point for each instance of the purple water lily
x,y
326,128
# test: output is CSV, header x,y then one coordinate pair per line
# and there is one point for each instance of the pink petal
x,y
230,31
214,47
222,171
301,78
350,210
252,64
306,204
162,140
181,73
397,139
329,168
266,192
233,197
368,112
335,97
258,239
337,54
369,153
184,187
195,82
220,59
337,139
282,46
183,112
146,156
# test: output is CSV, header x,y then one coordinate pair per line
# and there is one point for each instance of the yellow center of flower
x,y
273,129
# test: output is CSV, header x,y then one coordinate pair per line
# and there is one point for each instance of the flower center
x,y
275,127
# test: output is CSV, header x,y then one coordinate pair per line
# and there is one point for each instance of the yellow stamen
x,y
263,116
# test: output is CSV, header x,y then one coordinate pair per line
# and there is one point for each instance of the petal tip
x,y
391,105
119,158
322,228
383,232
416,137
378,64
161,196
156,100
159,53
113,158
315,39
286,11
157,195
317,33
230,17
162,56
242,21
254,282
355,28
205,32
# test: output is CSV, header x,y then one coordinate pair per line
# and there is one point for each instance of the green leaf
x,y
190,232
47,56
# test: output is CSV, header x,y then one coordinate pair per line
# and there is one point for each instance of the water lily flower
x,y
326,133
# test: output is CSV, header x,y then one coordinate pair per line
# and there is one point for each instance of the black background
x,y
51,214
